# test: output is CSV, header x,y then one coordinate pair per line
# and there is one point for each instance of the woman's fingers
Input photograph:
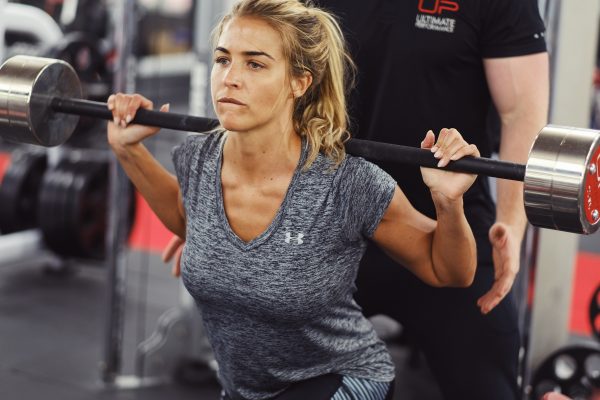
x,y
169,251
440,140
451,146
429,140
450,141
465,150
124,107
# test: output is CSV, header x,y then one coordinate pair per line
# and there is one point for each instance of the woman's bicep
x,y
406,235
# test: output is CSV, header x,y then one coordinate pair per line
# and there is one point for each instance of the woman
x,y
276,215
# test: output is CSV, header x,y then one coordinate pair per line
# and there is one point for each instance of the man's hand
x,y
555,396
174,249
506,255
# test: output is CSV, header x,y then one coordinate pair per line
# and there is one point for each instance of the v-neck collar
x,y
262,237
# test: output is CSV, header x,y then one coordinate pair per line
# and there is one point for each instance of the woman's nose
x,y
232,76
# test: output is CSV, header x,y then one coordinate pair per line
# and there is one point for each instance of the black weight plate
x,y
53,208
572,370
75,199
83,52
595,313
19,191
89,209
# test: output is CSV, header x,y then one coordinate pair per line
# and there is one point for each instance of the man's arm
x,y
519,87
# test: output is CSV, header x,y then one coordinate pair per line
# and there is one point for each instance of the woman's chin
x,y
231,125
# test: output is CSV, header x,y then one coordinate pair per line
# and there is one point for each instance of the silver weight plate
x,y
562,186
27,87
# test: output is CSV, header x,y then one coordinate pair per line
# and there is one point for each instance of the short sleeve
x,y
365,194
512,28
185,158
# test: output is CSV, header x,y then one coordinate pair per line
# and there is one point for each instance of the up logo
x,y
437,6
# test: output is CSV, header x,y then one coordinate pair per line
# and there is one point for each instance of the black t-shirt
x,y
420,67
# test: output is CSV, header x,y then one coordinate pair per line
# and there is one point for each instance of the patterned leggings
x,y
363,389
352,389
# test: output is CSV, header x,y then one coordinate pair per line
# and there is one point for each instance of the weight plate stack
x,y
19,191
73,208
573,371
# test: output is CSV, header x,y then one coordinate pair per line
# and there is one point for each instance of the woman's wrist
x,y
443,202
125,151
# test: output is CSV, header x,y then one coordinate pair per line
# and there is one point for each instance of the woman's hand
x,y
124,107
173,252
450,146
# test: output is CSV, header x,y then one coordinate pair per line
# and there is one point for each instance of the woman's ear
x,y
300,84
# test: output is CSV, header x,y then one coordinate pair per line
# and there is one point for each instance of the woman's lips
x,y
230,100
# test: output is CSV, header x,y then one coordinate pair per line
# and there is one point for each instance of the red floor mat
x,y
148,232
4,161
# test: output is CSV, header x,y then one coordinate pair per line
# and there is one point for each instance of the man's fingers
x,y
498,234
555,396
499,290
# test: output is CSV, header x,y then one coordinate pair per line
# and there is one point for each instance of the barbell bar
x,y
40,103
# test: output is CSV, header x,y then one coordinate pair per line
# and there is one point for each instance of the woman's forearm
x,y
454,254
155,184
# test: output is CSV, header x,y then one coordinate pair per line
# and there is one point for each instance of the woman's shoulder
x,y
199,142
355,163
348,165
196,146
203,138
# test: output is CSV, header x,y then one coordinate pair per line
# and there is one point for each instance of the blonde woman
x,y
276,216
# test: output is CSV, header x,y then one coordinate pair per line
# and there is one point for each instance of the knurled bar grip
x,y
374,151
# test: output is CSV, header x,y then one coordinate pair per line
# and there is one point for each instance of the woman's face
x,y
249,80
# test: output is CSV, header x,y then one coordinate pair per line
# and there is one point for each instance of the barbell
x,y
40,104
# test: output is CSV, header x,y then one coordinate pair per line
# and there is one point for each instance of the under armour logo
x,y
298,239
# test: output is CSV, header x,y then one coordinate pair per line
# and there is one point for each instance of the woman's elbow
x,y
459,279
465,281
466,278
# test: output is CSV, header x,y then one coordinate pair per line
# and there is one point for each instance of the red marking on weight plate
x,y
592,189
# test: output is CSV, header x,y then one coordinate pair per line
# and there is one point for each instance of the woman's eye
x,y
254,65
221,60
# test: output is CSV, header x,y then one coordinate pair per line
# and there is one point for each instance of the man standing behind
x,y
428,64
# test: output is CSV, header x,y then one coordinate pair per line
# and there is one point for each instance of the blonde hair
x,y
312,42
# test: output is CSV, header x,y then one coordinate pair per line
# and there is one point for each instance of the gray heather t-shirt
x,y
280,308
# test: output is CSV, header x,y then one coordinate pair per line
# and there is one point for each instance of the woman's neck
x,y
258,155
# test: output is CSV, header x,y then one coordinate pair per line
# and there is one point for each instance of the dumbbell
x,y
40,104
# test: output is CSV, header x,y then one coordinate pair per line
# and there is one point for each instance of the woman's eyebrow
x,y
246,53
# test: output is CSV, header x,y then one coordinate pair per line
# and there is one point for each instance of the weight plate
x,y
562,185
83,52
75,199
572,371
53,207
595,313
19,191
27,88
